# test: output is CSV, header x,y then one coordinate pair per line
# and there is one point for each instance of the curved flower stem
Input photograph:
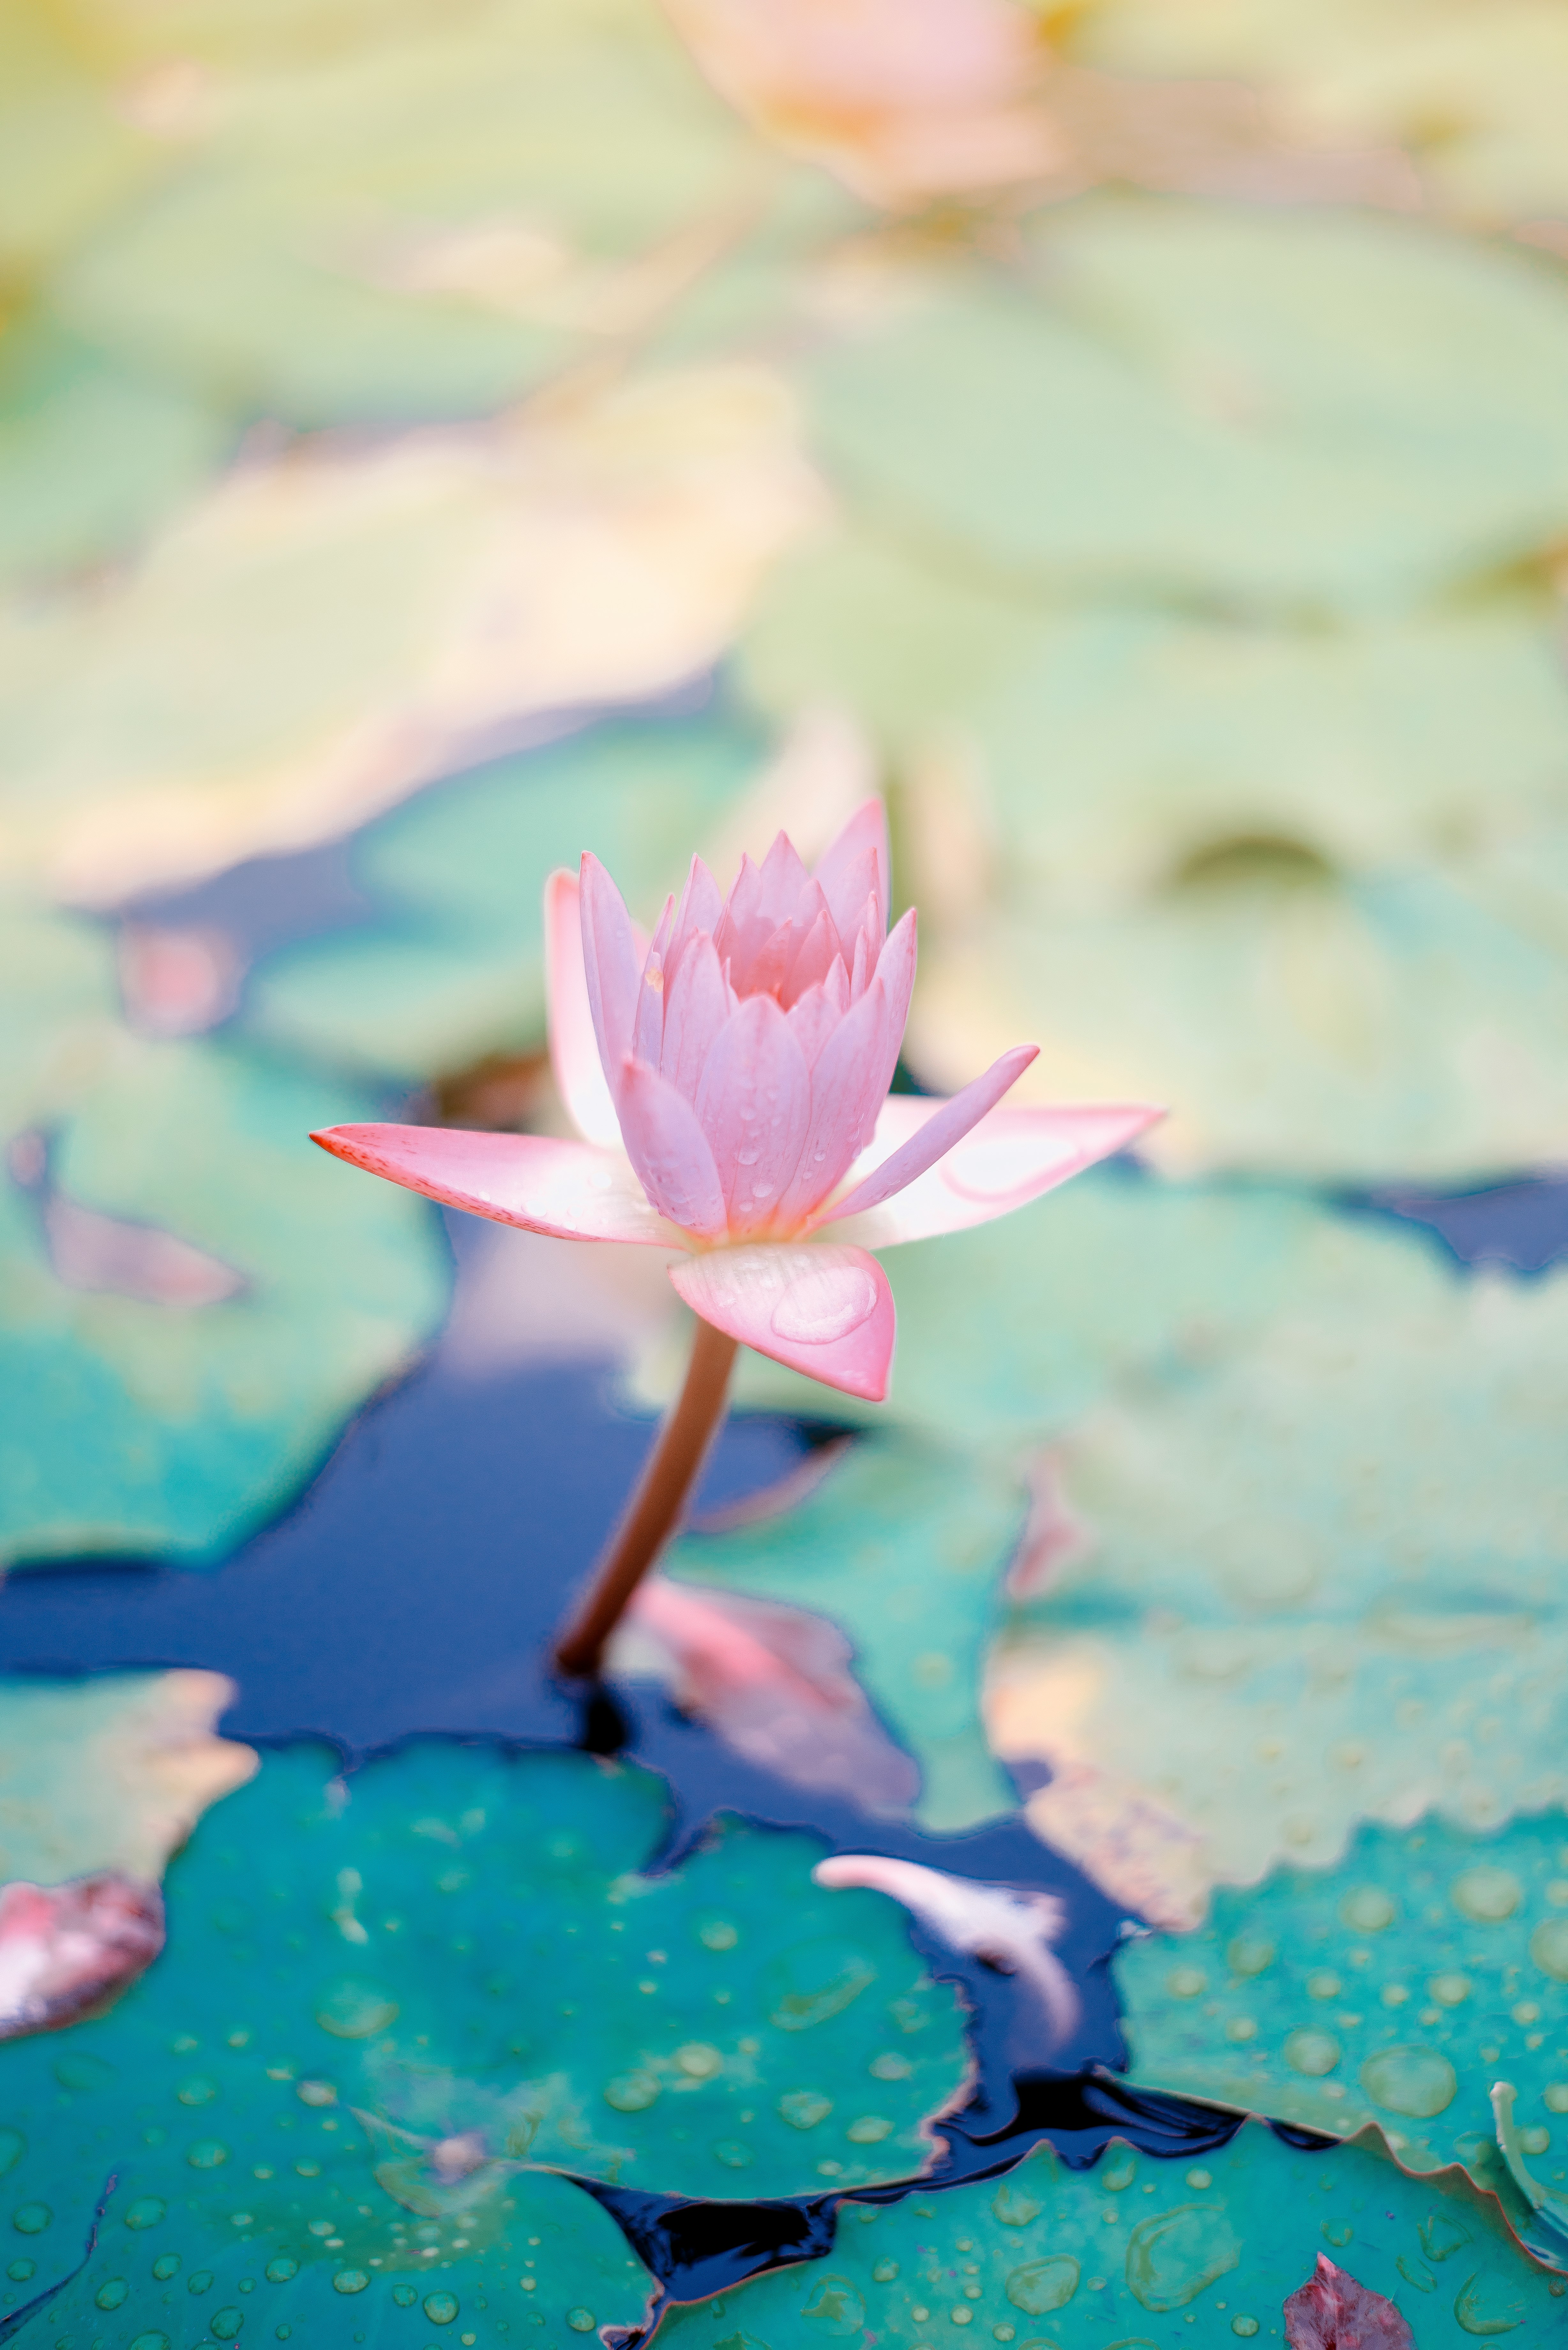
x,y
656,1506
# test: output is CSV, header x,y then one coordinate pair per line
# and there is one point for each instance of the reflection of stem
x,y
656,1505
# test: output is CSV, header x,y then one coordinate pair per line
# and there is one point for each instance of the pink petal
x,y
784,878
1010,1158
566,1189
67,1949
648,1021
839,871
814,1015
701,904
612,965
1333,2312
669,1151
698,1004
826,1310
815,956
860,973
574,1047
754,1104
936,1134
850,1078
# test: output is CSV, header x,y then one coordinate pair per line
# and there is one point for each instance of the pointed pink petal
x,y
949,1123
1010,1158
860,974
826,1310
784,878
612,965
1333,2310
698,1004
838,868
574,1047
815,956
669,1151
648,1021
567,1188
812,1019
701,904
755,1103
849,1080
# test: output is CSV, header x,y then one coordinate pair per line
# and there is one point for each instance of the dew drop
x,y
150,2342
145,2212
1042,2285
197,2091
699,2061
1119,2170
1555,2096
165,2266
1187,1982
1323,1984
31,2219
1416,2272
869,2129
13,2147
1549,1947
1337,2232
199,2281
1415,2081
1450,1990
1368,1910
405,2295
1245,2326
111,2293
279,2272
885,2272
1313,2053
440,2308
889,2067
317,2093
804,2108
581,2321
84,2072
224,2323
1172,2256
352,2009
1441,2235
207,2154
20,2271
1487,1895
733,2153
1014,2207
1250,1954
820,1306
350,2281
631,2093
718,1934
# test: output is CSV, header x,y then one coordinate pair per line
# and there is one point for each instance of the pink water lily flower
x,y
731,1080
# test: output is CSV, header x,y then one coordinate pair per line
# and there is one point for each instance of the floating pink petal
x,y
1333,2312
824,1310
66,1950
566,1189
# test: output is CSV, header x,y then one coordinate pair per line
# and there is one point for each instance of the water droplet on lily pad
x,y
84,2072
440,2308
631,2093
1245,2326
145,2212
1441,2235
31,2219
1250,1954
804,2108
1044,2284
1415,2081
350,2281
13,2147
223,2324
699,2061
1451,1989
1368,1909
1487,1895
580,2319
1174,2255
815,1981
717,1934
1012,2206
1313,2053
1549,1947
1487,2304
165,2266
110,2294
353,2009
279,2272
868,2130
150,2342
836,2308
207,2154
197,2091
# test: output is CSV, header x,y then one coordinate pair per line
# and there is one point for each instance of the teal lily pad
x,y
413,1989
1397,1989
454,968
1199,398
209,1397
1135,2253
424,219
1291,1574
904,1546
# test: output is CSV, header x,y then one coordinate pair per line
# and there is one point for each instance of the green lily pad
x,y
1293,1576
413,1991
1134,2251
92,452
110,1773
205,1407
68,151
1395,1988
1187,397
454,968
904,1546
424,221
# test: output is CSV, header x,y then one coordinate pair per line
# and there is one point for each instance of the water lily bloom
x,y
730,1079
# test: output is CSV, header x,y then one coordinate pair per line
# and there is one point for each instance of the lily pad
x,y
1134,2250
905,1546
1395,1988
111,1774
1293,1577
369,617
452,1966
1202,399
208,1400
454,968
421,222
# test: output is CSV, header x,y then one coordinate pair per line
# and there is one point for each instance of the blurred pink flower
x,y
730,1079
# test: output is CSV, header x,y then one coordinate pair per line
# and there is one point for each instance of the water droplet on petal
x,y
818,1307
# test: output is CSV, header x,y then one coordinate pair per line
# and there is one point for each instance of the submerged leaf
x,y
1332,2312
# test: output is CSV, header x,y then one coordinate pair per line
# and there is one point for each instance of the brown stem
x,y
651,1515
